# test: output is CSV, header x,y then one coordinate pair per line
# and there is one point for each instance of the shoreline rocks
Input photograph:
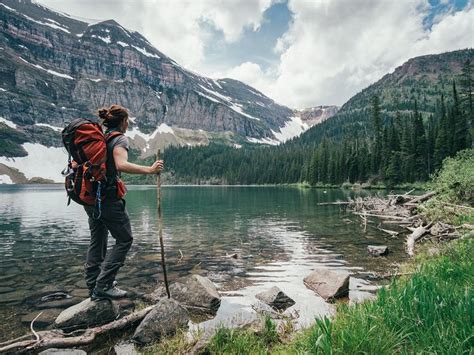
x,y
163,320
275,298
87,313
197,294
328,283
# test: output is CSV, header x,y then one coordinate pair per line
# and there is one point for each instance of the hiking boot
x,y
112,292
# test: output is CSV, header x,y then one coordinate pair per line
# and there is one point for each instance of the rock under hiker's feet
x,y
112,292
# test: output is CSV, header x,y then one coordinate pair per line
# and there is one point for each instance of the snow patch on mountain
x,y
8,122
228,102
207,96
123,44
5,179
41,161
52,25
8,7
264,140
52,72
107,39
161,129
145,52
54,128
292,128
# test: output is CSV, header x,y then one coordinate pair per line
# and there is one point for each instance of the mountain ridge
x,y
54,67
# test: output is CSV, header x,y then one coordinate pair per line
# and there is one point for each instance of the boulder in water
x,y
87,313
275,298
163,320
196,293
377,250
328,283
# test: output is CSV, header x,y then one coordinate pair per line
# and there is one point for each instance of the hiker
x,y
102,267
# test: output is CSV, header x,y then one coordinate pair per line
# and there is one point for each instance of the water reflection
x,y
280,235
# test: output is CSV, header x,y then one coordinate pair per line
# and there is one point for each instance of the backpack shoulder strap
x,y
112,135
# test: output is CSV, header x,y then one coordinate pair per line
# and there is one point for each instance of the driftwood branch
x,y
396,209
58,339
413,237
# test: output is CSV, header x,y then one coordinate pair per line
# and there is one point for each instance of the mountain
x,y
418,82
54,68
403,138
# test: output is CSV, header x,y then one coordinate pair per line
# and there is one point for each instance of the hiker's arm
x,y
122,164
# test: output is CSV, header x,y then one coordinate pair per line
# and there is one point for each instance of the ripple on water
x,y
280,236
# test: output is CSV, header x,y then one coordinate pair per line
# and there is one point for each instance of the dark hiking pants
x,y
102,267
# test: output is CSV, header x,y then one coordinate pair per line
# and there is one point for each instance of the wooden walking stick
x,y
160,228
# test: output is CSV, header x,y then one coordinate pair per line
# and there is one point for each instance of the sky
x,y
301,53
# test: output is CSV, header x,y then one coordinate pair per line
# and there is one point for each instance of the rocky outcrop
x,y
328,283
275,298
54,68
377,250
87,313
316,115
164,320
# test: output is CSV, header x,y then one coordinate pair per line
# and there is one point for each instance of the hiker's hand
x,y
156,167
74,165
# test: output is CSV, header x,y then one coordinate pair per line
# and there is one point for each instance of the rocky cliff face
x,y
54,68
316,115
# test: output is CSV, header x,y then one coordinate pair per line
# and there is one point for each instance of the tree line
x,y
393,147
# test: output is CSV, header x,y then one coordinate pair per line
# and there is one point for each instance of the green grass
x,y
430,312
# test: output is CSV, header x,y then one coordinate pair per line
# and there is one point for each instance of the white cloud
x,y
332,49
174,27
335,48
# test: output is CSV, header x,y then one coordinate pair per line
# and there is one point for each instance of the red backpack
x,y
87,146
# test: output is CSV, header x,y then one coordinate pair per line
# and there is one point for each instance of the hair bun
x,y
104,113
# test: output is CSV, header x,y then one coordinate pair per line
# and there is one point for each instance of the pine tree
x,y
441,149
393,175
419,146
377,127
461,127
466,82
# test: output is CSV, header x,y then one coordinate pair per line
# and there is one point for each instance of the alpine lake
x,y
245,239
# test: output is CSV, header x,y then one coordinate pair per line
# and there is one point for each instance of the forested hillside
x,y
397,130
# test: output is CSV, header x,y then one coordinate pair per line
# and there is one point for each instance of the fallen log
x,y
58,339
422,198
417,233
392,233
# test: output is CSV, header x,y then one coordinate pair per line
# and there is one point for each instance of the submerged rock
x,y
266,311
275,298
47,317
328,283
196,293
163,320
59,303
87,313
377,250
